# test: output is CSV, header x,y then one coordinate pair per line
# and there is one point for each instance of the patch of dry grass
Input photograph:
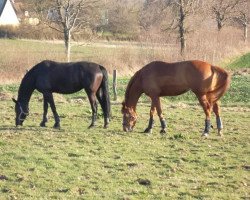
x,y
16,56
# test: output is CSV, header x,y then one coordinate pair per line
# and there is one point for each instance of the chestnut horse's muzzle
x,y
126,129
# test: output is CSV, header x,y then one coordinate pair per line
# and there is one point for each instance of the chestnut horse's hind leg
x,y
207,109
216,110
45,111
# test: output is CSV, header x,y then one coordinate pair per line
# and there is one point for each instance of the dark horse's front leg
x,y
48,97
45,111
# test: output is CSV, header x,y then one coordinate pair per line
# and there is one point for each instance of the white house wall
x,y
8,16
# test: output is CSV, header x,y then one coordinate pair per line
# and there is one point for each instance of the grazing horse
x,y
158,79
65,78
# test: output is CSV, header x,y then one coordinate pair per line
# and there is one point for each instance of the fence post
x,y
115,84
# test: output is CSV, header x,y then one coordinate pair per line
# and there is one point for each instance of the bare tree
x,y
66,16
122,16
152,13
243,17
182,9
224,11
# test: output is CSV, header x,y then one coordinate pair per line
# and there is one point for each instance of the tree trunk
x,y
182,29
67,39
245,32
219,20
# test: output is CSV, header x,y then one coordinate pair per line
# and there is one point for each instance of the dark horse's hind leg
x,y
93,103
50,99
45,111
100,97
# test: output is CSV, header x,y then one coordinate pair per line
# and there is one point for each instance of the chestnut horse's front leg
x,y
151,119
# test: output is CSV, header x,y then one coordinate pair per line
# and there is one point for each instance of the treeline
x,y
183,22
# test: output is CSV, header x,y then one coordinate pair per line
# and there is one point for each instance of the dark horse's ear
x,y
14,100
123,107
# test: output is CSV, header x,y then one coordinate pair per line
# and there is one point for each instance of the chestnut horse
x,y
158,79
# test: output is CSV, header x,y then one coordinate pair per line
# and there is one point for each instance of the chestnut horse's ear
x,y
14,100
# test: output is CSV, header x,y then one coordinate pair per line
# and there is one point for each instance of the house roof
x,y
8,17
2,5
18,7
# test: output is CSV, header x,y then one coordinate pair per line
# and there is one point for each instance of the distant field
x,y
16,56
79,163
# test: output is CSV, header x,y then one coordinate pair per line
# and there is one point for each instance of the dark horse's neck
x,y
25,90
133,91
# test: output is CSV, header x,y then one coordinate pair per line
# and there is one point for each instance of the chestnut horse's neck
x,y
133,91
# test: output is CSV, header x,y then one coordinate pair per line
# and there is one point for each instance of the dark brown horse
x,y
50,77
158,79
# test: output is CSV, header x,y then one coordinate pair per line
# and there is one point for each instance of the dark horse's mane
x,y
26,85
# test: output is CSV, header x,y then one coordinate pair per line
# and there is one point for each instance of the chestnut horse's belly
x,y
165,86
173,90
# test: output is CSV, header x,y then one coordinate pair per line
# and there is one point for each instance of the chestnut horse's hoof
x,y
106,126
91,125
205,135
148,130
220,133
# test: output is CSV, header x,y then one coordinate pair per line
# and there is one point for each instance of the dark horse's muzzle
x,y
19,122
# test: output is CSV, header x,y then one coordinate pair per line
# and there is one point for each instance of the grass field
x,y
79,163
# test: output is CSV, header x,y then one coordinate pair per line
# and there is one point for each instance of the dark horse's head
x,y
129,118
21,112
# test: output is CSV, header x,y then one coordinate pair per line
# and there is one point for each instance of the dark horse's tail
x,y
222,83
103,95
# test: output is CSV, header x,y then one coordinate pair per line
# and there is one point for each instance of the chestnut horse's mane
x,y
130,84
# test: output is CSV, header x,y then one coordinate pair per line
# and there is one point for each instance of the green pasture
x,y
80,163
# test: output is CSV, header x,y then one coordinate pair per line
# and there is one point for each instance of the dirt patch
x,y
242,72
5,96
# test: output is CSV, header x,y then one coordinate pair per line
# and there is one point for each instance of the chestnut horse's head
x,y
129,118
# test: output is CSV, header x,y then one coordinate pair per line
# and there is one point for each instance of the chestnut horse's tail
x,y
222,82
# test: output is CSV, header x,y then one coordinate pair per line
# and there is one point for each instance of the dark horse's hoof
x,y
57,126
42,124
163,131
